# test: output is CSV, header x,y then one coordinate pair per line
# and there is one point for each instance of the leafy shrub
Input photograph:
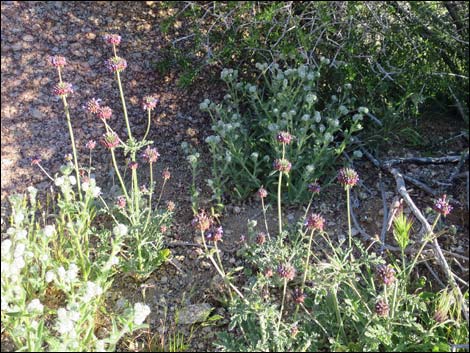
x,y
246,122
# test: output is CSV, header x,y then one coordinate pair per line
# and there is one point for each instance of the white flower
x,y
96,191
92,290
310,98
120,230
114,260
35,306
100,346
17,264
49,230
21,234
363,110
61,272
59,181
85,185
19,250
347,86
19,217
305,117
72,179
343,110
44,257
6,246
50,276
141,312
71,274
255,155
310,168
324,60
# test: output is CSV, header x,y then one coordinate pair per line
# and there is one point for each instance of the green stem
x,y
308,258
121,93
282,305
349,218
161,192
150,196
265,220
123,186
148,126
77,173
279,208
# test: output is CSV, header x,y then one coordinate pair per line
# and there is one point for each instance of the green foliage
x,y
247,121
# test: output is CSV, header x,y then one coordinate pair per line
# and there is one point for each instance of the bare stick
x,y
422,160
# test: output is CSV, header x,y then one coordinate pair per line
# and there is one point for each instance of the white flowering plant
x,y
244,144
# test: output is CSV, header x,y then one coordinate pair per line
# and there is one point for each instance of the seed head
x,y
386,274
113,39
348,177
284,137
381,308
105,113
286,271
57,61
315,222
268,272
282,165
116,64
149,103
62,89
110,140
442,206
262,193
150,155
440,315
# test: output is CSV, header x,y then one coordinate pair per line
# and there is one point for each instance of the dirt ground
x,y
33,123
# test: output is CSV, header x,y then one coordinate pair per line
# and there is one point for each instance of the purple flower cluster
x,y
57,61
133,165
93,106
91,145
166,174
149,103
442,206
298,296
261,238
348,177
284,137
315,222
150,155
113,39
386,274
314,187
286,271
201,221
62,89
121,202
116,64
381,308
214,234
110,140
105,113
262,193
282,165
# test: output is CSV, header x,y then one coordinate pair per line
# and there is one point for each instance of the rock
x,y
194,313
35,113
90,35
17,46
354,231
28,38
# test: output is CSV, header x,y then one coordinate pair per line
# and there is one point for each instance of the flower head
x,y
110,140
201,221
315,222
282,165
149,103
314,187
284,137
93,106
133,165
442,206
114,39
166,174
105,113
286,271
57,61
215,234
386,274
262,193
382,308
170,206
268,272
36,160
150,155
440,315
121,202
298,296
91,145
141,312
348,177
116,64
261,238
62,89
